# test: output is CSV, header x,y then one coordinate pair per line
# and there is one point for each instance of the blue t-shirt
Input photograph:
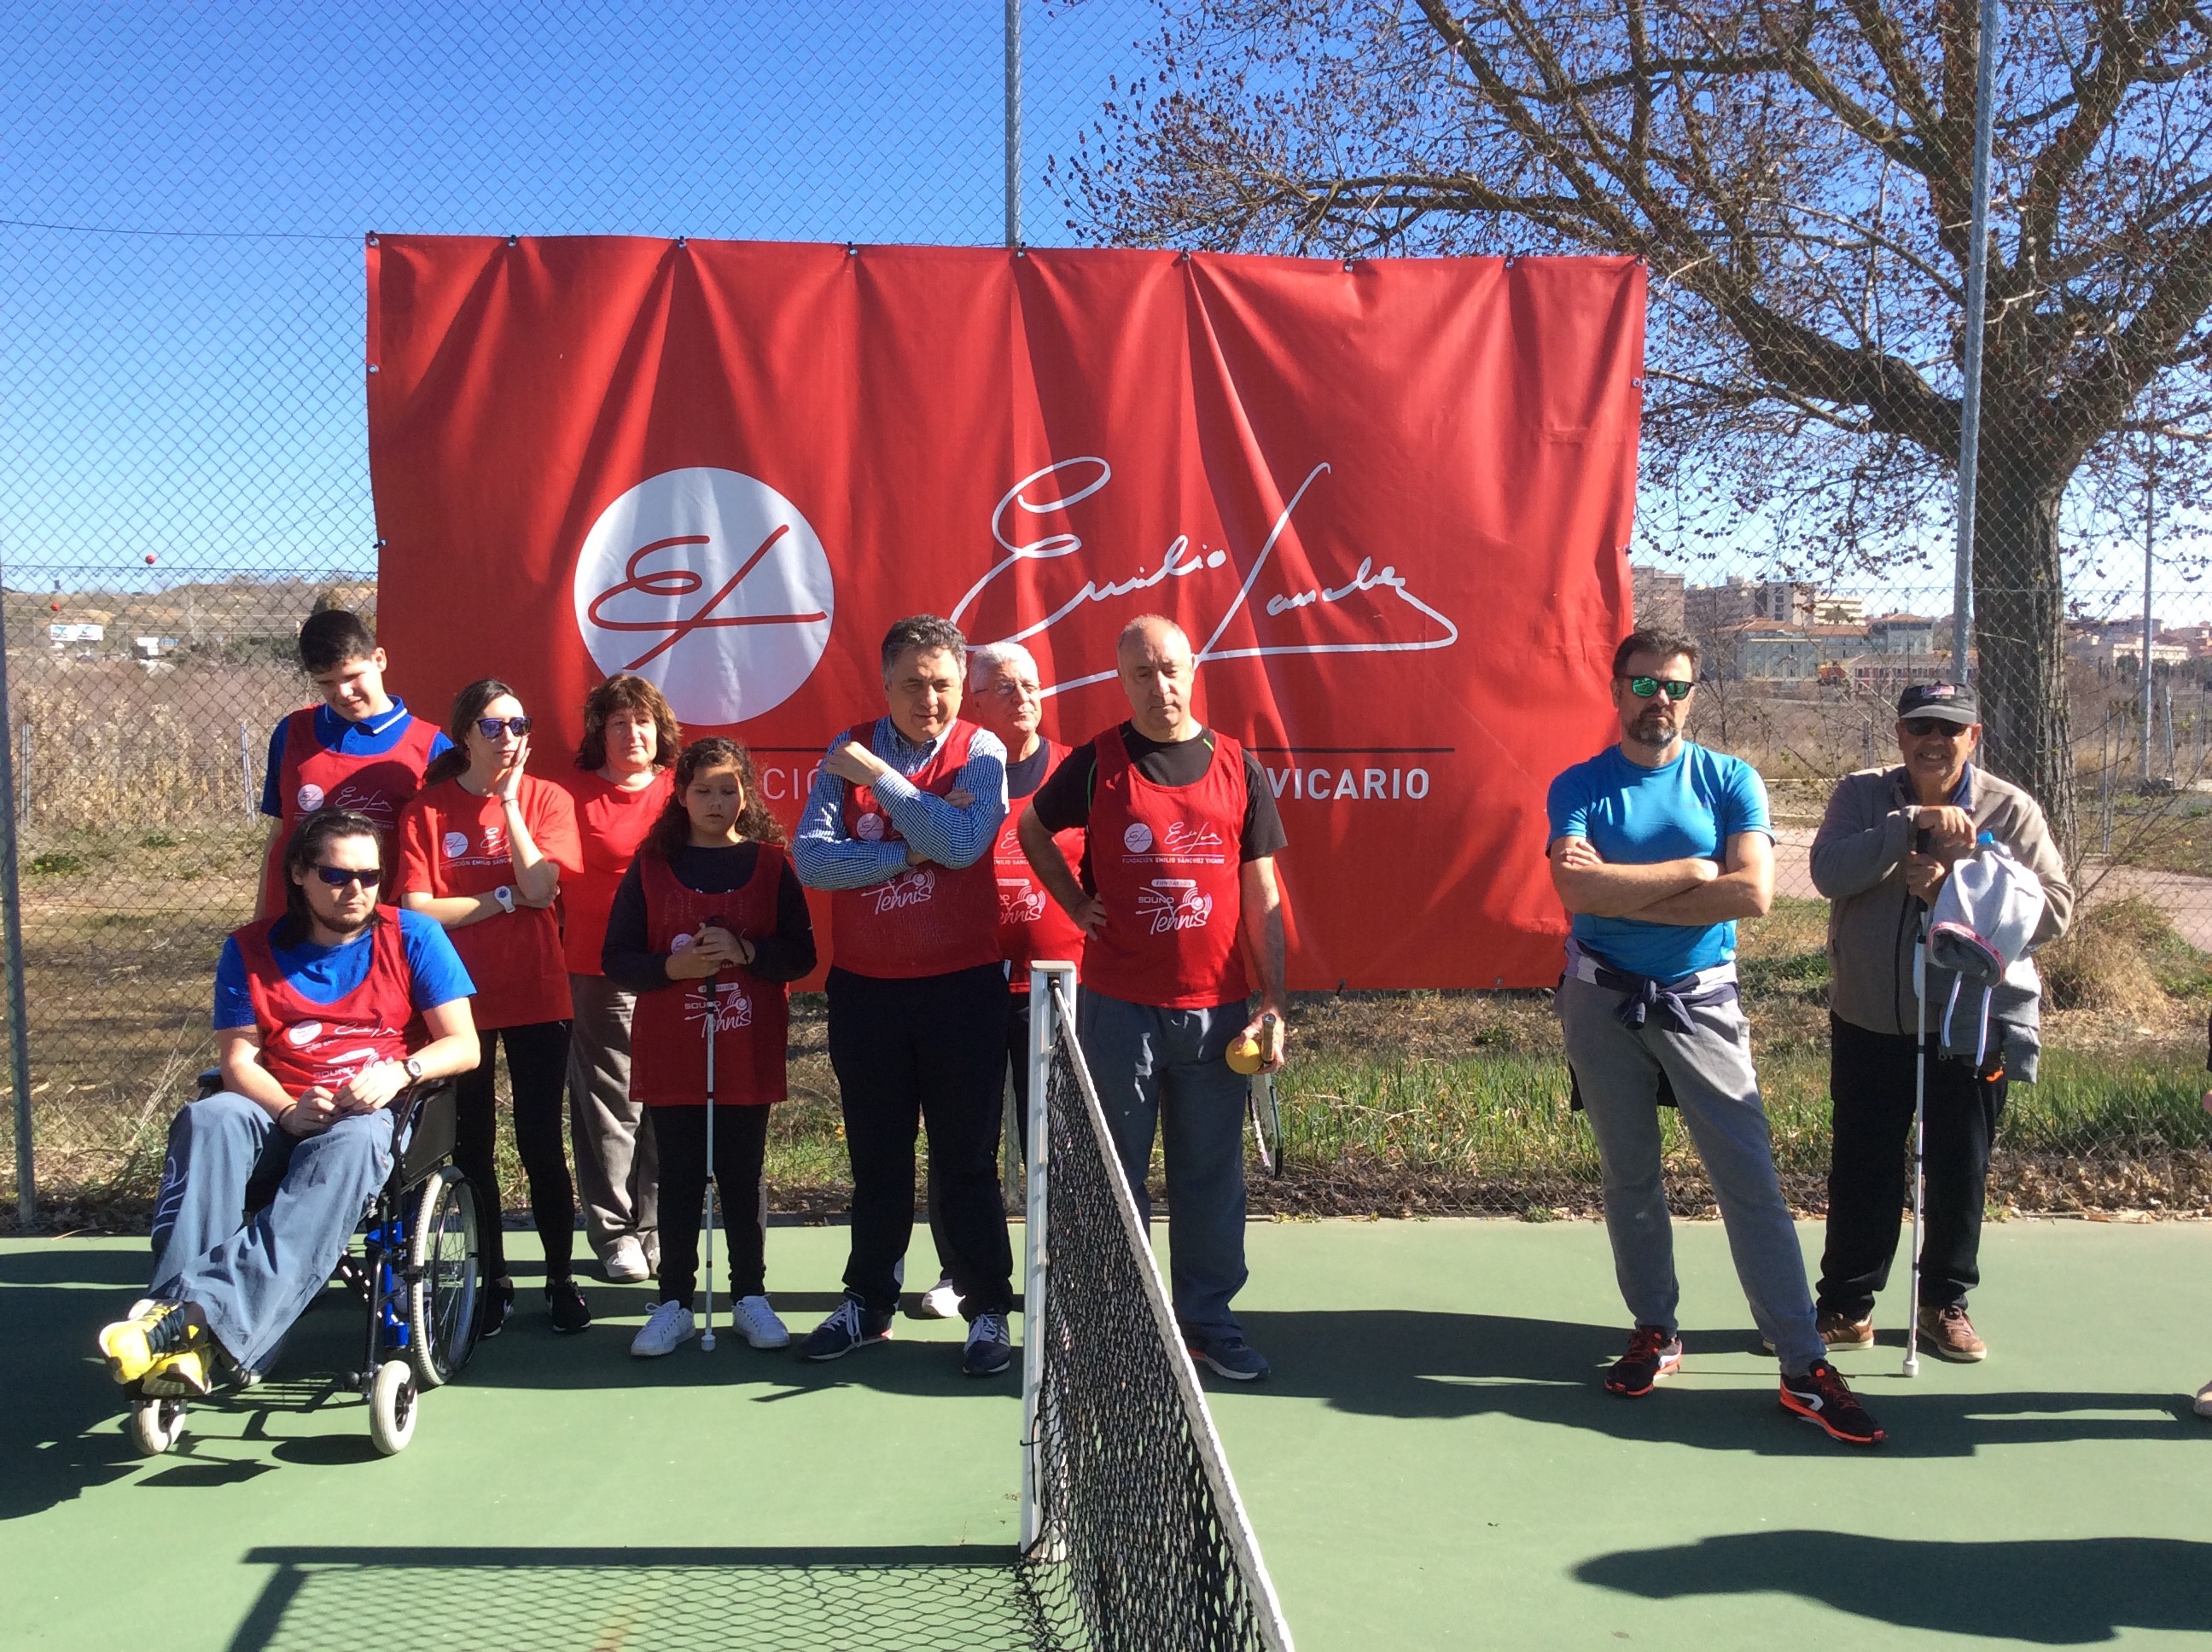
x,y
1634,816
324,974
371,739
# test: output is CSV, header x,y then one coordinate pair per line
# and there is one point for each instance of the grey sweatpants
x,y
1710,1072
617,1169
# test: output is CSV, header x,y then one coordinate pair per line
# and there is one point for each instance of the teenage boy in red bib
x,y
311,1013
360,749
899,826
1177,896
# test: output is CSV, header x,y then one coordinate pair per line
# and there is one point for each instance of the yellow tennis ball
x,y
1246,1055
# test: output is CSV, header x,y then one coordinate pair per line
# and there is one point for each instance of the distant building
x,y
1833,609
1902,634
1658,597
1708,608
1887,673
1768,651
60,636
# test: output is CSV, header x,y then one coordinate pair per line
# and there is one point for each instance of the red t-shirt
x,y
612,823
453,842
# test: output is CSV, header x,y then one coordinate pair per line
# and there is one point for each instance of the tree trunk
x,y
2019,636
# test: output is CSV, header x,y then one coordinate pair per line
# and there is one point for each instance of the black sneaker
x,y
848,1327
1822,1398
566,1305
989,1349
1652,1353
493,1308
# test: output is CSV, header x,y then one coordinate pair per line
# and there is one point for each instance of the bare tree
x,y
1797,174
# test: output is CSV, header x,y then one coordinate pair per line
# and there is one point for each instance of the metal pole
x,y
2150,541
11,918
246,765
1013,123
1970,400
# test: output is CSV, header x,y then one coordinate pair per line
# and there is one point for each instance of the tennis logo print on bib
x,y
908,889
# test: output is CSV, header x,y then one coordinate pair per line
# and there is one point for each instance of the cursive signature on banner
x,y
681,582
1074,480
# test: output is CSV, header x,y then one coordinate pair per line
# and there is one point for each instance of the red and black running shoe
x,y
1652,1353
1822,1398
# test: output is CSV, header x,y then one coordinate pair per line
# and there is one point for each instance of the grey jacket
x,y
1858,862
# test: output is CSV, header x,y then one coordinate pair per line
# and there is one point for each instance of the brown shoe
x,y
1949,1334
1842,1331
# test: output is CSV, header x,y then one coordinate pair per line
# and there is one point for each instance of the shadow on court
x,y
1405,1363
943,1598
2067,1592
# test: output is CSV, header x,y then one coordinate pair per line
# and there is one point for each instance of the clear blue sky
x,y
180,349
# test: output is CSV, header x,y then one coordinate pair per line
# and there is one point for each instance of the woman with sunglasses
x,y
710,907
482,849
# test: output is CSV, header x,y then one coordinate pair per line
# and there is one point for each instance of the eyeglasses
x,y
339,877
1643,688
1920,727
490,727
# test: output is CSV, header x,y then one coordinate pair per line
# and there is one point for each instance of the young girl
x,y
710,907
483,848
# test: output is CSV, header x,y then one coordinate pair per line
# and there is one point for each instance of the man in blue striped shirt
x,y
899,828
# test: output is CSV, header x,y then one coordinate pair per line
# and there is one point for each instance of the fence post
x,y
11,917
1013,123
23,782
245,763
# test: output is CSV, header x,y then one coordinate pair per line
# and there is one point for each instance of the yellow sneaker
x,y
134,1346
186,1375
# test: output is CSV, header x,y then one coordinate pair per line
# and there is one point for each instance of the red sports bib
x,y
1031,924
313,776
304,1043
610,824
1166,862
922,921
753,1016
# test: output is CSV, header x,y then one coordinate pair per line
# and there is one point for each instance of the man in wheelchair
x,y
313,1014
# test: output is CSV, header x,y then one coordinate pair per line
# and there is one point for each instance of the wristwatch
x,y
505,897
414,1070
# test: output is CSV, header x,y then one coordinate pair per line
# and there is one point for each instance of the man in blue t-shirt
x,y
1658,847
313,1014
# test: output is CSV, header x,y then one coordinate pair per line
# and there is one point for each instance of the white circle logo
x,y
304,1033
709,584
676,942
457,845
311,797
1137,838
869,828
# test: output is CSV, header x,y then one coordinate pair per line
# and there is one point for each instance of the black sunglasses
x,y
1920,727
490,727
339,877
1644,686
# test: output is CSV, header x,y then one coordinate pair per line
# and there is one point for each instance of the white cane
x,y
1919,1115
713,1014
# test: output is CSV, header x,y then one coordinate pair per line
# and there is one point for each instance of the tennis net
x,y
1133,1534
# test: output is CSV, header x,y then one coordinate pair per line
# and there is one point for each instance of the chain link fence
x,y
183,478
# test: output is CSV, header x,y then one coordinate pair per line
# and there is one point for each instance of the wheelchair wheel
x,y
391,1407
156,1426
441,1262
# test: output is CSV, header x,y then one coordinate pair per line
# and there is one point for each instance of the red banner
x,y
1389,502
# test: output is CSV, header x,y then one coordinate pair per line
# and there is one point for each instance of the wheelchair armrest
x,y
208,1083
426,1126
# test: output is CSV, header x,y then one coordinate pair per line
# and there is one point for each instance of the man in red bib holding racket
x,y
312,1017
899,828
1180,908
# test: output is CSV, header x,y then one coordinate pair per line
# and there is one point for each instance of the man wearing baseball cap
x,y
1889,840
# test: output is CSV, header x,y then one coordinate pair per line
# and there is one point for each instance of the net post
x,y
1045,1037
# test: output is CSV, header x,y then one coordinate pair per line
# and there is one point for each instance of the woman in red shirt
x,y
482,849
619,787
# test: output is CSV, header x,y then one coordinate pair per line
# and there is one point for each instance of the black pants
x,y
740,1144
1017,1060
907,1052
537,1075
1871,1081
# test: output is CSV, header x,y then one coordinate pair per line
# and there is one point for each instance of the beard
x,y
1654,729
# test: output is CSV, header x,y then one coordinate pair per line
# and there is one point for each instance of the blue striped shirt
x,y
827,857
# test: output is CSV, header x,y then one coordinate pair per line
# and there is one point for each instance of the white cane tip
x,y
706,1342
1912,1367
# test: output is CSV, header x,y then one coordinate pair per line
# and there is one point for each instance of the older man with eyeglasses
x,y
1658,846
1888,841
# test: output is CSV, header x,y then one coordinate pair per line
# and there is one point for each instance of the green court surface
x,y
1433,1465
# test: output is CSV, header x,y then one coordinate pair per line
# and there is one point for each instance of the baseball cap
x,y
1951,702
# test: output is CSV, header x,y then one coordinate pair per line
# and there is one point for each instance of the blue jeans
x,y
1164,1069
253,1277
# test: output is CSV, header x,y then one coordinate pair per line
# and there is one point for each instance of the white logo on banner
x,y
311,797
457,845
1137,837
710,585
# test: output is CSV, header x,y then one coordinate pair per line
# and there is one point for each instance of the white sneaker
x,y
669,1329
940,1301
753,1317
624,1262
2204,1400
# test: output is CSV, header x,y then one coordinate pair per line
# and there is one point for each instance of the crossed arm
x,y
1691,892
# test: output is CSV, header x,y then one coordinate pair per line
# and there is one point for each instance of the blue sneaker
x,y
1231,1356
989,1349
848,1327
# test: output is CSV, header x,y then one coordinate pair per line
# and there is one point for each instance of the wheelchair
x,y
416,1275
